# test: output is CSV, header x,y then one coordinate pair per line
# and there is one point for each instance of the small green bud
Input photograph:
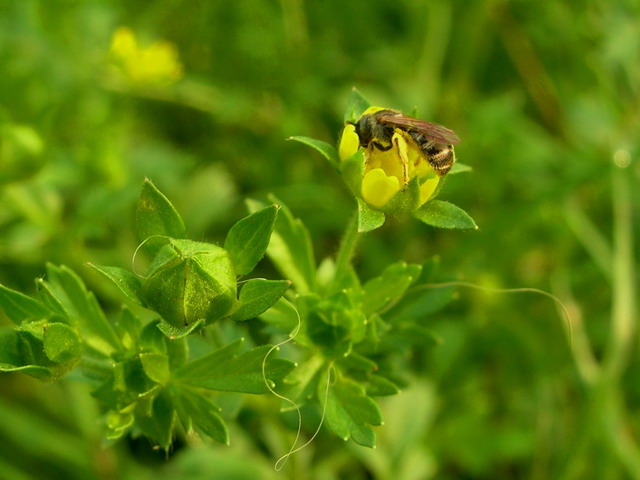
x,y
189,281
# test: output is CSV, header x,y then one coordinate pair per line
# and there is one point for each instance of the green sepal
x,y
326,150
441,214
156,216
61,343
406,200
128,283
356,105
248,239
172,332
352,170
368,218
257,296
459,168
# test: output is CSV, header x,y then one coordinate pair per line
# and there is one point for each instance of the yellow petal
x,y
427,189
349,142
378,188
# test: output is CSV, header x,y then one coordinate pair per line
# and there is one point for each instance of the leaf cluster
x,y
139,365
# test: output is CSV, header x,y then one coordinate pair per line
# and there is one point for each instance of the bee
x,y
376,130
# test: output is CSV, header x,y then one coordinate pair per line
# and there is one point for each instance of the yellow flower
x,y
394,168
157,63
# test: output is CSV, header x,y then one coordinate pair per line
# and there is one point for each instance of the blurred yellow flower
x,y
156,64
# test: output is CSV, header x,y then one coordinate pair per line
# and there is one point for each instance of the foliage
x,y
199,96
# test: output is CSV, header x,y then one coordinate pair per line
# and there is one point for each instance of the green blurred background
x,y
544,95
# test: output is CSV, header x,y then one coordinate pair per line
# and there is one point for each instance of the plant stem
x,y
347,247
623,327
623,321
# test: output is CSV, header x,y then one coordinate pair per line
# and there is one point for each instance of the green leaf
x,y
459,168
282,315
19,307
290,249
248,239
368,218
356,105
302,382
156,367
381,386
41,373
125,384
257,295
128,283
61,343
156,419
226,370
82,309
327,150
422,301
156,216
350,412
389,286
197,411
441,214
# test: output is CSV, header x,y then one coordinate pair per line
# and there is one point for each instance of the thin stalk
x,y
623,313
623,329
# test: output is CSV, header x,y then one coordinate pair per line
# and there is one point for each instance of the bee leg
x,y
405,163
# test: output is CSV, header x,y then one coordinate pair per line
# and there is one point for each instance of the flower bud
x,y
189,281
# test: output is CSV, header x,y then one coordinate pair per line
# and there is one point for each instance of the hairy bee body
x,y
376,130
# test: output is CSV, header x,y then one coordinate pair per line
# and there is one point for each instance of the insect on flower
x,y
376,131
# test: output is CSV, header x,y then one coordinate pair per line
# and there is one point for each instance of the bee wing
x,y
432,131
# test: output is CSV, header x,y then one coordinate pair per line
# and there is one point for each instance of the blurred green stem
x,y
592,239
607,394
606,400
623,310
